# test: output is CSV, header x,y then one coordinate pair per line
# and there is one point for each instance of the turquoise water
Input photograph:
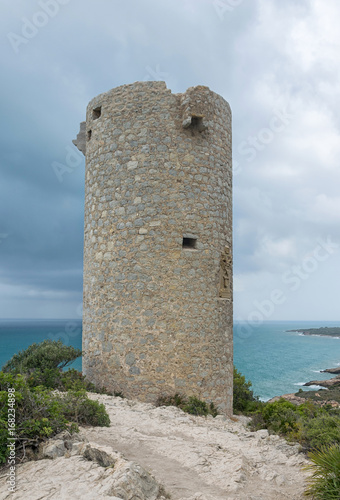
x,y
277,362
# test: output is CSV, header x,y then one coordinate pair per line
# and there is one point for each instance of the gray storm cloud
x,y
277,65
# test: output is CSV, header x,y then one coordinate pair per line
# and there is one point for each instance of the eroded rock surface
x,y
148,451
332,382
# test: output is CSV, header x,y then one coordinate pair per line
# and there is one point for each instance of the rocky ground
x,y
153,453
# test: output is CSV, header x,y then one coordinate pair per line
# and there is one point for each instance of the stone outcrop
x,y
111,475
332,370
150,453
325,383
292,398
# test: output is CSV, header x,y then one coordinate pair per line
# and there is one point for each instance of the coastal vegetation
x,y
333,331
191,405
47,400
315,427
321,396
309,424
244,400
325,479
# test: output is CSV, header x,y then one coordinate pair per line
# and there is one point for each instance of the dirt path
x,y
194,458
215,457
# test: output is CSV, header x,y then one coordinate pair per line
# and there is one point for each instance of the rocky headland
x,y
332,382
330,395
327,331
156,453
332,370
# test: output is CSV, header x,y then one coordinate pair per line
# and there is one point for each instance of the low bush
x,y
37,414
84,411
43,357
195,406
191,405
43,365
41,413
321,431
308,424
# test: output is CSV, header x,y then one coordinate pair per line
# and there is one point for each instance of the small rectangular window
x,y
96,113
189,243
89,135
197,123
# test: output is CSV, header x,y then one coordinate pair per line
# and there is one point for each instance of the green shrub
x,y
81,409
41,413
280,416
43,357
283,417
49,378
38,414
74,380
191,405
42,365
325,479
175,400
324,430
195,406
244,400
308,424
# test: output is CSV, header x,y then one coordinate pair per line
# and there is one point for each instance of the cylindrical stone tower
x,y
158,238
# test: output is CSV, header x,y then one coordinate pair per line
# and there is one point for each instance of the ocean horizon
x,y
274,360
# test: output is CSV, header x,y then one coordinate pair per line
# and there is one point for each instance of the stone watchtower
x,y
158,237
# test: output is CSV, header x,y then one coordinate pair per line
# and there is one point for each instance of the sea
x,y
275,360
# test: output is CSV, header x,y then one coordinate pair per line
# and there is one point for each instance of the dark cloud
x,y
275,62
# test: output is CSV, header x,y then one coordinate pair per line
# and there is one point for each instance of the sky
x,y
275,62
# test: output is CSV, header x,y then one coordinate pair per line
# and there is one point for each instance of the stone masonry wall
x,y
157,253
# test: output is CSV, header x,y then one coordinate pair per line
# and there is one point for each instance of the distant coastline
x,y
332,384
323,331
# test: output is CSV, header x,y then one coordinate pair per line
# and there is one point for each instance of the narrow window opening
x,y
197,122
89,135
96,113
189,243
